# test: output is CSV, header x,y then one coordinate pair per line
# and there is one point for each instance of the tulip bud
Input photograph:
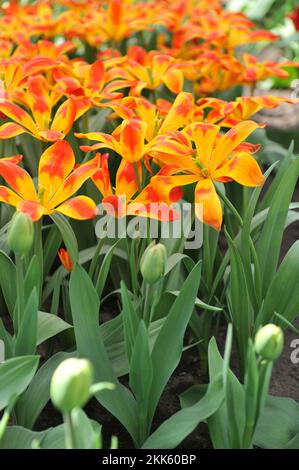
x,y
20,234
70,385
269,342
153,263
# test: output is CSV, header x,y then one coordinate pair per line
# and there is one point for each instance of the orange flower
x,y
216,157
89,85
228,114
40,103
123,201
58,181
143,133
65,259
149,70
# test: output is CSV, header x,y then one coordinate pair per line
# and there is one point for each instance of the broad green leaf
x,y
175,429
51,247
168,347
32,277
141,376
240,307
130,320
269,243
49,325
86,434
8,281
282,293
104,270
27,335
15,376
85,310
278,427
227,421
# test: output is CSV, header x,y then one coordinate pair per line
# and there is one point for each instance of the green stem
x,y
234,211
70,440
20,292
147,305
38,251
95,258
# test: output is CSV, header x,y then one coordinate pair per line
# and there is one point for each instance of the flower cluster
x,y
148,69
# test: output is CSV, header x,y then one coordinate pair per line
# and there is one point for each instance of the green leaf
x,y
51,247
104,270
27,335
278,427
67,234
15,376
175,429
168,347
227,424
240,307
269,243
281,297
8,281
141,376
32,277
49,325
85,310
86,434
130,320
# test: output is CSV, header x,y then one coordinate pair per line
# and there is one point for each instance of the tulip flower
x,y
40,103
123,201
58,181
216,157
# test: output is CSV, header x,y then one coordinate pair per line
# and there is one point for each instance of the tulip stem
x,y
70,441
20,292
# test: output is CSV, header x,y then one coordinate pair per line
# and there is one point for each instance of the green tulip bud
x,y
70,385
269,342
153,263
20,234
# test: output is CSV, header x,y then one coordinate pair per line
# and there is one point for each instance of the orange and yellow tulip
x,y
58,181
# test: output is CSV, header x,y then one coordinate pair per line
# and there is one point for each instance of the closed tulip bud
x,y
70,385
153,263
269,342
20,234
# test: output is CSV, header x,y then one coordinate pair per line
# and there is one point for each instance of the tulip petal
x,y
17,114
204,136
18,179
207,204
9,196
79,207
102,177
132,137
94,79
174,80
65,117
55,164
126,183
244,169
31,208
179,114
74,181
10,129
231,140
